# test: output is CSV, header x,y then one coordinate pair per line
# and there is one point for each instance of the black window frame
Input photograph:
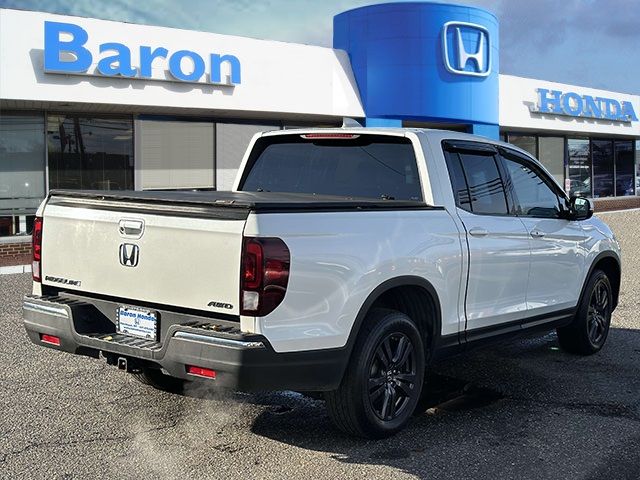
x,y
476,148
531,163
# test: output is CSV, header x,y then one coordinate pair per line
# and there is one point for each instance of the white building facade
x,y
95,104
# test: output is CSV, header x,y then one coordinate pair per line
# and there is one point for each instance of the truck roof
x,y
436,135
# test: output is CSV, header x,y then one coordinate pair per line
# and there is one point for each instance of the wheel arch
x,y
610,264
411,295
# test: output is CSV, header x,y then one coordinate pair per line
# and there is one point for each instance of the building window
x,y
525,142
579,167
603,165
637,167
22,177
624,153
175,155
232,140
551,155
90,152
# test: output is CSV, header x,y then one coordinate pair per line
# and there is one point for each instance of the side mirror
x,y
580,208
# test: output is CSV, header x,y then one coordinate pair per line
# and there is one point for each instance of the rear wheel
x,y
589,329
155,378
382,384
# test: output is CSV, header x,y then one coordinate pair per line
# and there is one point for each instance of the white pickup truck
x,y
345,261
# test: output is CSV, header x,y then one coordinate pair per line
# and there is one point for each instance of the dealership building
x,y
95,104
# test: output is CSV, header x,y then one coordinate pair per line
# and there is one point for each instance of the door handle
x,y
536,234
478,232
132,228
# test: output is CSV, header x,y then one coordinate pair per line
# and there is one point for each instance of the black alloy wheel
x,y
589,329
382,383
599,313
392,376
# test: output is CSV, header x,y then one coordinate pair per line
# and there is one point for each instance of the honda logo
x,y
466,49
129,255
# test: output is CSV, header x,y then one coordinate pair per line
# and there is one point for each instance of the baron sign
x,y
573,104
71,56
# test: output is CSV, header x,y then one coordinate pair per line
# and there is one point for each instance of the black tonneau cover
x,y
263,202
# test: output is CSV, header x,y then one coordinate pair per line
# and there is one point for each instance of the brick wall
x,y
18,253
15,249
620,203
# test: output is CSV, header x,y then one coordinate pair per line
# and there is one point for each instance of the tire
x,y
155,378
387,338
589,330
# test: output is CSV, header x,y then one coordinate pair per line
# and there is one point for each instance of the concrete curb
x,y
12,269
626,210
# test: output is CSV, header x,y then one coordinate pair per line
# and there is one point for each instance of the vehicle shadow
x,y
489,412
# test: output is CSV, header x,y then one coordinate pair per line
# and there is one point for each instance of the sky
x,y
594,43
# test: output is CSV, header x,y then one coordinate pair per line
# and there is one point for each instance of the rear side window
x,y
371,166
477,172
458,182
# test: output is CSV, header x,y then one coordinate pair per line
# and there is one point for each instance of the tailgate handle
x,y
131,228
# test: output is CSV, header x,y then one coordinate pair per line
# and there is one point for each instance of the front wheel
x,y
588,331
382,384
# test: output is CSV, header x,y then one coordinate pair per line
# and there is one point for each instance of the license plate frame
x,y
137,322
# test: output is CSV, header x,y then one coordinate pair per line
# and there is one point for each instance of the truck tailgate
x,y
187,261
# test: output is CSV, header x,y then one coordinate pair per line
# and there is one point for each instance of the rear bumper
x,y
244,362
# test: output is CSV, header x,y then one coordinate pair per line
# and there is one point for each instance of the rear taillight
x,y
264,275
36,248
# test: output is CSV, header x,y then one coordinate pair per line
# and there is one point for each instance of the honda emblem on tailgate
x,y
129,254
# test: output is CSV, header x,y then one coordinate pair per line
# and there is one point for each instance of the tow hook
x,y
128,365
122,364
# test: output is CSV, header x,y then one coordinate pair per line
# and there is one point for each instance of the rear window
x,y
372,166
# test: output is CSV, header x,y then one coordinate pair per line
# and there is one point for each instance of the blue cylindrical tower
x,y
424,61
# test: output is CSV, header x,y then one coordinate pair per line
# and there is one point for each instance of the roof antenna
x,y
350,123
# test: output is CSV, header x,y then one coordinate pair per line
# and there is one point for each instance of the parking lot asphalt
x,y
521,410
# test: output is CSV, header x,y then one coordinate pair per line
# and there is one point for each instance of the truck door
x,y
557,259
498,242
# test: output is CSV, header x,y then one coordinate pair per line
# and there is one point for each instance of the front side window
x,y
532,196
